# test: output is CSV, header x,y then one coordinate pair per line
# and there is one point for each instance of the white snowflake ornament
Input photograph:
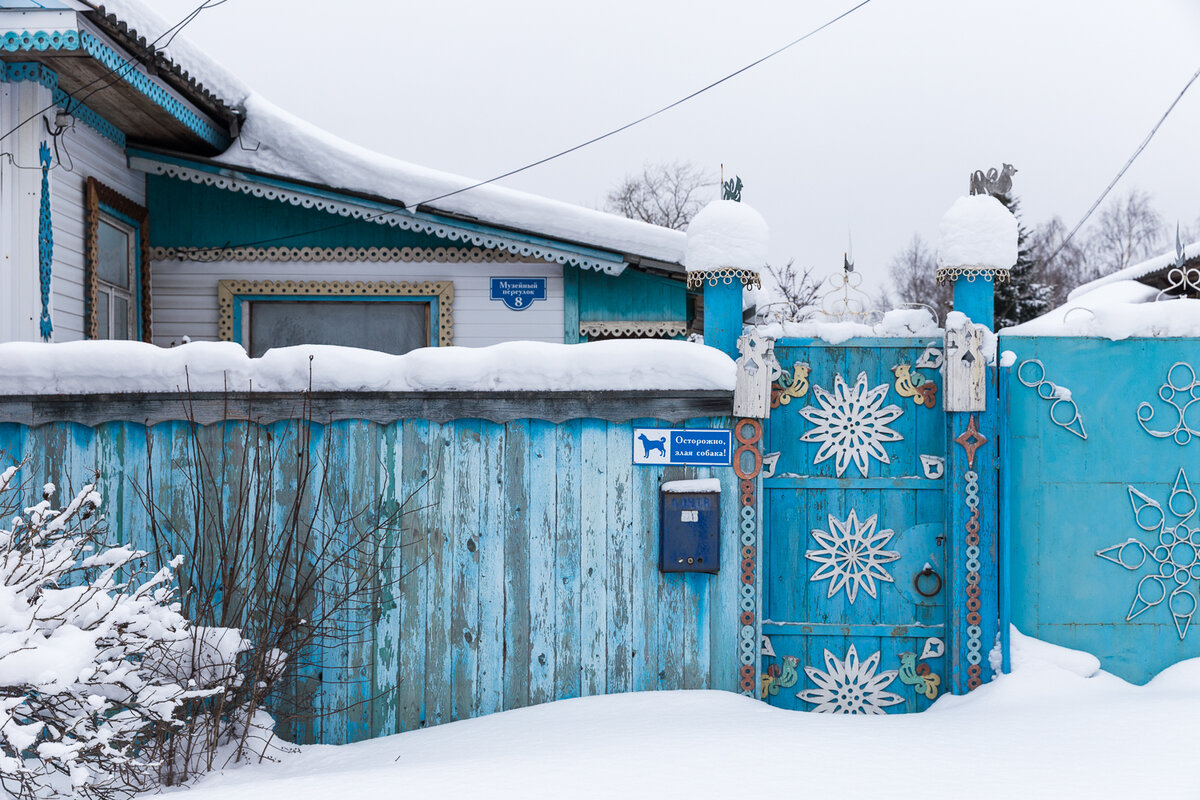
x,y
851,424
850,687
851,555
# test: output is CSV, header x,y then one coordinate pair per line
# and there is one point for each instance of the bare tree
x,y
794,294
1128,230
913,273
667,194
1068,269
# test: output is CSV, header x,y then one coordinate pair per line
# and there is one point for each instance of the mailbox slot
x,y
690,526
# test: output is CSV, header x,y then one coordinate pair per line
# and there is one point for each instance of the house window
x,y
390,316
117,290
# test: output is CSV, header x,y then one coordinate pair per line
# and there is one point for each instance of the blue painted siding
x,y
631,296
531,574
1068,497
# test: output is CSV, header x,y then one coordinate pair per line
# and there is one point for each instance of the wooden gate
x,y
855,569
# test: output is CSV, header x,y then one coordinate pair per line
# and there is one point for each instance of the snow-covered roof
x,y
280,144
1117,309
1138,271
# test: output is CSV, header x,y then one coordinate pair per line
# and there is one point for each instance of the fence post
x,y
974,255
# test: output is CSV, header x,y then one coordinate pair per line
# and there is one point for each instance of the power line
x,y
1125,168
561,153
173,31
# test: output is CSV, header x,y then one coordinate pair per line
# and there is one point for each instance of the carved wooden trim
x,y
95,195
438,255
647,328
442,292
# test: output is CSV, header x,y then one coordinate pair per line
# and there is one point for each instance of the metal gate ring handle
x,y
926,573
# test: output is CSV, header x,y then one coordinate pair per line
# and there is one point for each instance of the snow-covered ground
x,y
1057,727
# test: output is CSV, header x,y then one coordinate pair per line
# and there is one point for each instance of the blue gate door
x,y
854,560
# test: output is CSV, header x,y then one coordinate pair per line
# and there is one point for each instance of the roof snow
x,y
1137,271
1119,309
283,145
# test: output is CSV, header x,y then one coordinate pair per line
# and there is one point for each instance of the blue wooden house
x,y
148,195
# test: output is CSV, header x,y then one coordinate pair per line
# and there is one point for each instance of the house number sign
x,y
518,293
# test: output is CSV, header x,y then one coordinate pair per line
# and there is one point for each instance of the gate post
x,y
974,253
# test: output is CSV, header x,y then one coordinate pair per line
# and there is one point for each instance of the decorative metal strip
x,y
438,255
748,277
1048,390
971,440
441,291
45,243
748,433
626,328
945,274
38,73
398,218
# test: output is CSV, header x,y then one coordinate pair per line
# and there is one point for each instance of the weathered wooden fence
x,y
529,566
1103,539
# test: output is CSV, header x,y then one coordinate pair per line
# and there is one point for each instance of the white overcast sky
x,y
871,127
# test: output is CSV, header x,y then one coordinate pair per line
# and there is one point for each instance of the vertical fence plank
x,y
542,484
413,608
593,557
493,522
466,535
439,583
387,627
515,528
644,610
567,623
620,559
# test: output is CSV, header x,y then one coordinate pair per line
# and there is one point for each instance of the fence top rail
x,y
206,408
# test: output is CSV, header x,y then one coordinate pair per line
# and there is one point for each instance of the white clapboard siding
x,y
87,154
185,295
20,197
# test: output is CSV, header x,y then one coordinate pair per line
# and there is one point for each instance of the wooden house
x,y
147,194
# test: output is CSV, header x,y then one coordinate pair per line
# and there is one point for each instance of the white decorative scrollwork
x,y
933,466
851,424
1181,385
851,555
934,648
1174,558
850,686
931,358
1048,390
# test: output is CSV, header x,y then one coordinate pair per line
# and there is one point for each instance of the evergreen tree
x,y
1023,296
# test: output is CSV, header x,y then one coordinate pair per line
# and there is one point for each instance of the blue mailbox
x,y
690,526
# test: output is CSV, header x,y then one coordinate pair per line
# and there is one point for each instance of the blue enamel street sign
x,y
682,446
518,293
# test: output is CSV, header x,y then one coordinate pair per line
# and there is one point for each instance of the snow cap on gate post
x,y
976,249
726,249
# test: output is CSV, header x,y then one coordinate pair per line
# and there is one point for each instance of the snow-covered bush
x,y
80,710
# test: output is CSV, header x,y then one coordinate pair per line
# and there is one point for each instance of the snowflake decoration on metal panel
x,y
1174,558
850,687
851,555
851,423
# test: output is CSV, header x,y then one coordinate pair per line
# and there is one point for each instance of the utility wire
x,y
561,153
172,31
1125,168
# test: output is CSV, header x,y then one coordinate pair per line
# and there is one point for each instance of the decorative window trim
x,y
439,255
37,73
396,217
96,194
440,293
951,274
45,244
125,69
714,277
619,327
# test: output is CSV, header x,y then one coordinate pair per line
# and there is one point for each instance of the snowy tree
x,y
790,295
78,704
667,194
1024,295
1127,231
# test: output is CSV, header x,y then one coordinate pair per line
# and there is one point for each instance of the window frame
x,y
234,295
102,201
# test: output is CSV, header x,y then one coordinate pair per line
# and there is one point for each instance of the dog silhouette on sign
x,y
650,445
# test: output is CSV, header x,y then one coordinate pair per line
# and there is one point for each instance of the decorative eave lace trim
x,y
37,73
126,70
619,327
404,220
945,274
726,275
440,255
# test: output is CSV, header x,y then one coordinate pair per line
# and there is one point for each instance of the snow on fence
x,y
527,567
